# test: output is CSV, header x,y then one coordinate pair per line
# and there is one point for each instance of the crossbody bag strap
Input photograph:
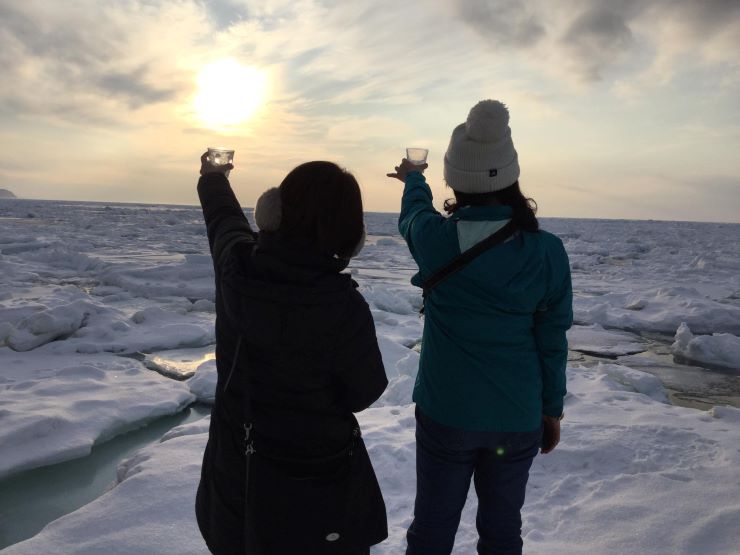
x,y
465,258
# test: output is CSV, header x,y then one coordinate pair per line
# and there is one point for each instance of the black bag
x,y
326,505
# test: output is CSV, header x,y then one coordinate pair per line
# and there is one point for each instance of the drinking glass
x,y
417,156
220,157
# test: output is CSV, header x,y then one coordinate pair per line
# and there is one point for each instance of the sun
x,y
228,93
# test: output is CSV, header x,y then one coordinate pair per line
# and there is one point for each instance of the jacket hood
x,y
285,295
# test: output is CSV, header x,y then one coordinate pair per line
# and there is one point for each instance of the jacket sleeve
x,y
551,322
358,364
226,224
421,225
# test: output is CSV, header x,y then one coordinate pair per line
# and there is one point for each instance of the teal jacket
x,y
494,350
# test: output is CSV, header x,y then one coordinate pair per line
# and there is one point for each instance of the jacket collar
x,y
487,212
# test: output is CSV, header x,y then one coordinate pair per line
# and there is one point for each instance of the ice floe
x,y
607,343
55,407
719,349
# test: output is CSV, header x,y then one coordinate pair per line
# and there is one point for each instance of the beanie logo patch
x,y
492,173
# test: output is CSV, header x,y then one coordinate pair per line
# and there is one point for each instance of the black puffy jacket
x,y
295,335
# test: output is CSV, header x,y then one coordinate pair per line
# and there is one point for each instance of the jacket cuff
x,y
553,409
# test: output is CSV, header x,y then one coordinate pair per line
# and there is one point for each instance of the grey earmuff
x,y
268,210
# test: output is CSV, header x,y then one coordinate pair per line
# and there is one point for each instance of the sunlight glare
x,y
228,93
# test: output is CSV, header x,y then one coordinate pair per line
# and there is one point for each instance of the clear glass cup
x,y
220,157
417,156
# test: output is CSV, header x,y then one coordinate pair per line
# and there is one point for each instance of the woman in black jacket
x,y
285,470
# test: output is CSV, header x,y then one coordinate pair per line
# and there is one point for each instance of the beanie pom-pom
x,y
488,121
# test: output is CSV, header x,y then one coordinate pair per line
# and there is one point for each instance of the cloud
x,y
586,41
104,85
84,61
133,87
508,23
595,39
88,61
224,13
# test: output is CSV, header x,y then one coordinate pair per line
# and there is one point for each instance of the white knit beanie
x,y
481,156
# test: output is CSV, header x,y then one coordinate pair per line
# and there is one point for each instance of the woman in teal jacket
x,y
491,379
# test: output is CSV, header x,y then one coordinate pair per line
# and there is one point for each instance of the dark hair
x,y
523,208
322,203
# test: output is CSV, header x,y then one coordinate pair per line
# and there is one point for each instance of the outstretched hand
x,y
405,168
206,166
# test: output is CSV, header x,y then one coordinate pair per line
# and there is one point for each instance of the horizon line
x,y
137,203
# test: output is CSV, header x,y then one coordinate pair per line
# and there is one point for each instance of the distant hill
x,y
4,193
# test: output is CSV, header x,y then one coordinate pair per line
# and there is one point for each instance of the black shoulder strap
x,y
466,257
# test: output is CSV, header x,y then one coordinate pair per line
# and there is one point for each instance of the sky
x,y
619,108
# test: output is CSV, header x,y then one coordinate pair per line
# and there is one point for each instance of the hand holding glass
x,y
221,157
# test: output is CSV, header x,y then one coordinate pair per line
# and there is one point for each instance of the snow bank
x,y
47,325
719,349
203,383
54,408
191,278
401,364
151,510
393,300
660,309
89,326
628,379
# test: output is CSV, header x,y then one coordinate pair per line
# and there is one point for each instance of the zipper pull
x,y
249,443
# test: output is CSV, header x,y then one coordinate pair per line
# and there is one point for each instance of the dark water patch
x,y
32,499
596,354
686,361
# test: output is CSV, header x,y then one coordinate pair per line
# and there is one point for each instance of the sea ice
x,y
633,474
149,511
629,379
179,363
600,342
660,309
54,408
203,383
719,349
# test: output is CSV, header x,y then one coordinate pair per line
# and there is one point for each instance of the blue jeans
x,y
446,459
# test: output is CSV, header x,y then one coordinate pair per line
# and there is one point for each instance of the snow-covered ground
x,y
95,296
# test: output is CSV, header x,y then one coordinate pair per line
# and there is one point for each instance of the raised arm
x,y
420,224
416,202
226,224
